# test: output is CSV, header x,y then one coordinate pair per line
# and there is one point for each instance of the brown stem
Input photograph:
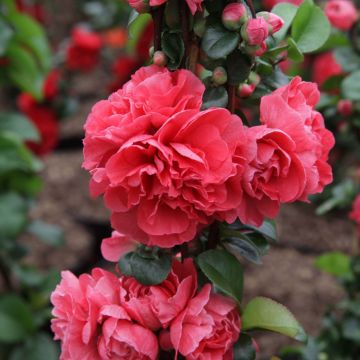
x,y
214,233
157,14
6,277
251,7
184,18
184,249
232,98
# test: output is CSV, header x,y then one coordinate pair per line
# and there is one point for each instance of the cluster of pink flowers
x,y
168,169
102,317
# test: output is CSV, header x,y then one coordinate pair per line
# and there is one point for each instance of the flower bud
x,y
151,51
256,50
345,107
254,78
255,31
342,14
246,90
201,72
234,15
219,76
141,6
275,23
159,58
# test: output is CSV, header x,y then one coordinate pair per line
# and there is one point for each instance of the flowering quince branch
x,y
180,173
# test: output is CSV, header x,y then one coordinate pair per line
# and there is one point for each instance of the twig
x,y
6,277
232,98
214,233
184,18
251,7
157,14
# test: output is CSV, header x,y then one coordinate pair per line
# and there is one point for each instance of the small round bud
x,y
199,26
246,90
255,31
234,15
219,75
151,51
345,107
159,58
256,50
201,72
275,23
254,78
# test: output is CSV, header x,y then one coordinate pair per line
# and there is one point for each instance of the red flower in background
x,y
269,4
36,10
44,119
342,14
355,213
84,50
325,67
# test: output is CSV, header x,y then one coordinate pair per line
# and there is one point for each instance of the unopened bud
x,y
159,58
234,15
345,107
246,90
275,23
254,78
255,31
219,75
256,50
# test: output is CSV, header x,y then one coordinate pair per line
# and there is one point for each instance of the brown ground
x,y
287,275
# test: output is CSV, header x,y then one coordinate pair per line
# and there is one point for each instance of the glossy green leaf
x,y
224,271
39,347
287,12
347,58
219,42
50,234
18,124
148,270
267,314
334,263
6,33
13,215
310,28
267,229
173,46
238,67
350,87
294,52
31,35
215,97
16,319
136,28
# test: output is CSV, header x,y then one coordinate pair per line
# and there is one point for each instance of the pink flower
x,y
114,247
355,213
325,67
156,306
291,109
91,323
166,168
234,15
345,107
275,23
207,329
274,174
255,31
342,14
139,5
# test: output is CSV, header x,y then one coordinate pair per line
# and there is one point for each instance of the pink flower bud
x,y
345,107
219,75
246,90
141,6
342,14
275,23
254,78
234,15
159,58
255,31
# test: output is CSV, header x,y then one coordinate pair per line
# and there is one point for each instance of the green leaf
x,y
6,33
136,28
24,72
16,319
310,28
350,87
173,46
287,12
39,347
267,229
267,314
337,39
294,52
132,17
351,329
215,97
224,271
148,270
13,215
238,67
32,36
244,348
334,263
219,42
50,234
28,275
18,124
